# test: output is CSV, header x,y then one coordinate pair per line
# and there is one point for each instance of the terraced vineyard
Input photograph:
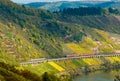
x,y
14,47
66,65
101,43
77,49
59,68
41,68
113,59
93,61
27,33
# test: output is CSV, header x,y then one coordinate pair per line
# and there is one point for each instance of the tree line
x,y
85,11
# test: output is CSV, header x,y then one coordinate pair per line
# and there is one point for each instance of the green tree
x,y
48,77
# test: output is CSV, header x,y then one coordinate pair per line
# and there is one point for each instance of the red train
x,y
77,55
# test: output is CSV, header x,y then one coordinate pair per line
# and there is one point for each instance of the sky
x,y
29,1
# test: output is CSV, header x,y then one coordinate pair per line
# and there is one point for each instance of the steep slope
x,y
27,33
34,33
15,47
34,23
12,73
97,42
98,18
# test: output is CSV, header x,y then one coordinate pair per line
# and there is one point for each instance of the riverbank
x,y
97,76
75,67
105,67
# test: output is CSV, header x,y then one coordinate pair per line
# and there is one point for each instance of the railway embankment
x,y
73,66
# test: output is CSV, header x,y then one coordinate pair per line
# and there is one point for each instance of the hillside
x,y
15,46
55,6
35,30
12,73
33,33
27,33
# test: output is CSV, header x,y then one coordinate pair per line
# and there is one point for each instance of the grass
x,y
70,64
79,63
55,67
41,68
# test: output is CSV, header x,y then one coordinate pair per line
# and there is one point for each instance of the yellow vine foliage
x,y
113,59
59,68
92,61
89,42
76,48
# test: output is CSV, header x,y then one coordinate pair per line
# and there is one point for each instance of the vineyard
x,y
113,59
93,61
98,42
78,49
54,67
59,68
27,34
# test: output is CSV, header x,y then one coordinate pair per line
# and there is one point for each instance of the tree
x,y
48,77
117,78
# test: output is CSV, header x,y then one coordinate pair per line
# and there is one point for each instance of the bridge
x,y
42,60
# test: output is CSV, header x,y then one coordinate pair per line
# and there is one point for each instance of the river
x,y
98,76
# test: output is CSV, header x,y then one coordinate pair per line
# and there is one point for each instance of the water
x,y
98,76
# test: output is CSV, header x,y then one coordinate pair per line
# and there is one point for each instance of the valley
x,y
42,44
60,5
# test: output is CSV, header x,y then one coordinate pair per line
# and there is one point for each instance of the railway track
x,y
42,60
